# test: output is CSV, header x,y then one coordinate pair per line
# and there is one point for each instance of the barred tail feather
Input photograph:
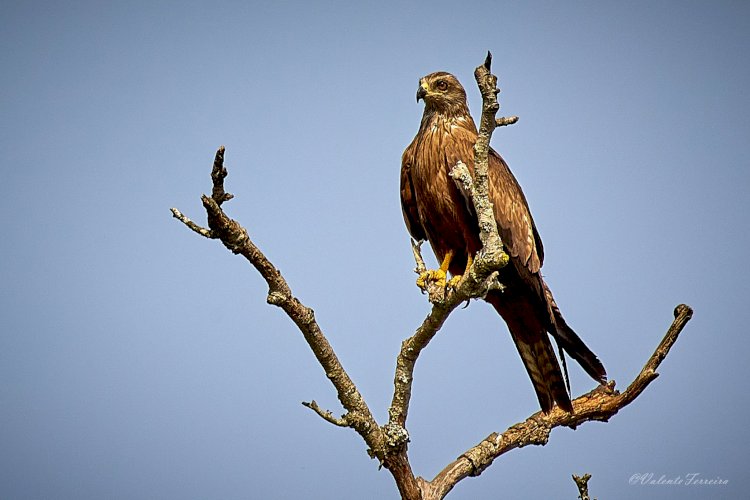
x,y
529,335
544,372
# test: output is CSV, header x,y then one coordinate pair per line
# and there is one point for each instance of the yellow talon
x,y
454,281
438,276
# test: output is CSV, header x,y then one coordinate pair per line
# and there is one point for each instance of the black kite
x,y
436,209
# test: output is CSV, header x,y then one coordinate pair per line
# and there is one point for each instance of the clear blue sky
x,y
138,360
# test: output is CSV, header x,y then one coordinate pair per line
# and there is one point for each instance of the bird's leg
x,y
454,280
436,275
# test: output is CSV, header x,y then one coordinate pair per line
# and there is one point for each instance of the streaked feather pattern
x,y
436,209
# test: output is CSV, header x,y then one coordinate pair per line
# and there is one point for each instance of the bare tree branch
x,y
192,225
326,414
468,287
600,404
491,257
218,173
505,121
236,239
389,443
582,482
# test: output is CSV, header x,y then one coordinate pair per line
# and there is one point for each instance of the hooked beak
x,y
421,93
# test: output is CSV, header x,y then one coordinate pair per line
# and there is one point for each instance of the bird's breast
x,y
441,207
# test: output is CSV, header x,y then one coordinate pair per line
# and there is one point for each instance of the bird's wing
x,y
408,198
514,220
515,223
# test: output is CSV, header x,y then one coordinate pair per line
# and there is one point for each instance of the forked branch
x,y
383,443
582,482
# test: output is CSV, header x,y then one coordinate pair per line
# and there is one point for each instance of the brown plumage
x,y
436,209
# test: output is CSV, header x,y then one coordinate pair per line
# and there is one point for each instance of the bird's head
x,y
441,92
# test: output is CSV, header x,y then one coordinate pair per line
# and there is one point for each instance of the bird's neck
x,y
454,115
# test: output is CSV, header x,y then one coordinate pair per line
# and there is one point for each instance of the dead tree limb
x,y
388,443
582,482
358,415
598,405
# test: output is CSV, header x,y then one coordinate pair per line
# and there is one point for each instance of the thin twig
x,y
504,121
218,173
192,225
326,415
416,249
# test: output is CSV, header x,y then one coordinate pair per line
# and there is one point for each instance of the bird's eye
x,y
441,85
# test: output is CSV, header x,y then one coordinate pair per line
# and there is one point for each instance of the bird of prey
x,y
436,209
